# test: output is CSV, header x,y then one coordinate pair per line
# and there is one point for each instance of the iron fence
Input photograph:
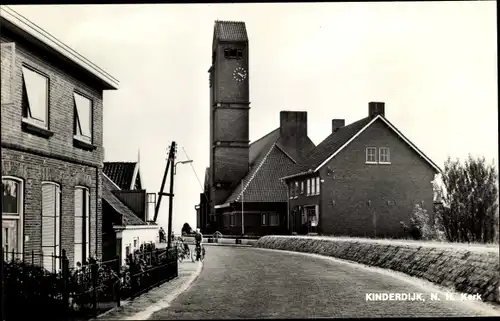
x,y
79,293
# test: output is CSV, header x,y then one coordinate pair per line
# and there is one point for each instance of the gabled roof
x,y
17,23
123,174
128,217
268,162
262,183
230,31
333,142
338,140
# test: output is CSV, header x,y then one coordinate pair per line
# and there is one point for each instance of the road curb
x,y
165,302
145,313
233,245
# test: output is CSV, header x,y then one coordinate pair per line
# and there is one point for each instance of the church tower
x,y
229,110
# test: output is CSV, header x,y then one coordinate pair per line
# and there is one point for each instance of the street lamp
x,y
182,162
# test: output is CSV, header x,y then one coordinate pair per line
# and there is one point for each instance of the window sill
x,y
35,129
384,163
371,163
78,142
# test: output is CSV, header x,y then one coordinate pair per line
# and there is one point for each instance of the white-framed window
x,y
51,225
313,186
263,219
36,88
317,185
296,189
274,219
12,215
82,225
83,118
308,187
291,190
384,155
371,155
302,187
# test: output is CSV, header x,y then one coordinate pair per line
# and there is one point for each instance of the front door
x,y
9,237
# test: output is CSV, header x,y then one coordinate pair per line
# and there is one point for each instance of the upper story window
x,y
51,226
384,155
83,118
302,187
308,187
317,185
233,53
371,155
296,189
36,101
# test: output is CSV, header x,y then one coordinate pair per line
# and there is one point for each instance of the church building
x,y
242,184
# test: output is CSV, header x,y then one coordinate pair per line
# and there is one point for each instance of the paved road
x,y
255,283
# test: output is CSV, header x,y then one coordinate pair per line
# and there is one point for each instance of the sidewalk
x,y
142,307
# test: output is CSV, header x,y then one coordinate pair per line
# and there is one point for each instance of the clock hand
x,y
241,75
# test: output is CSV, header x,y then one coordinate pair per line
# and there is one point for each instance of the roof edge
x,y
393,128
114,184
54,44
310,171
256,171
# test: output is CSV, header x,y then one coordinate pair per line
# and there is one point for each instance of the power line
x,y
194,171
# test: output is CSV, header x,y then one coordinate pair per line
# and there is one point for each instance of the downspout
x,y
287,207
96,209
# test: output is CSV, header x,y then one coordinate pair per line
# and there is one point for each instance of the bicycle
x,y
183,252
199,253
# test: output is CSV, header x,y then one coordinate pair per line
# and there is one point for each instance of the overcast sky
x,y
434,64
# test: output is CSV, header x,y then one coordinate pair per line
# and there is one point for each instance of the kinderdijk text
x,y
422,297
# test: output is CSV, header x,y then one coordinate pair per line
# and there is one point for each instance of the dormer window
x,y
233,53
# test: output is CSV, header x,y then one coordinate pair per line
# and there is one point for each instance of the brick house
x,y
362,180
52,151
243,193
127,211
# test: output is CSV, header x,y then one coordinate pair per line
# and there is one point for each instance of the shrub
x,y
420,226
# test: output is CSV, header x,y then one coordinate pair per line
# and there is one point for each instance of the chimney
x,y
293,125
336,124
375,109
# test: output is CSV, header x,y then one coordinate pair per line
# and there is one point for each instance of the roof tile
x,y
121,173
128,217
332,143
230,31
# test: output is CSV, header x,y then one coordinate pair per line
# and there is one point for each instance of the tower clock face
x,y
240,74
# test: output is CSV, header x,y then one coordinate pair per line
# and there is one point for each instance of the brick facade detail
x,y
36,159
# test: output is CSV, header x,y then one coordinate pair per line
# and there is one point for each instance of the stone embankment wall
x,y
467,269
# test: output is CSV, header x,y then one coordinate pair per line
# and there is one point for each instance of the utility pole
x,y
171,196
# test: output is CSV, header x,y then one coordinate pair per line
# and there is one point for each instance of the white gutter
x,y
225,205
55,44
135,227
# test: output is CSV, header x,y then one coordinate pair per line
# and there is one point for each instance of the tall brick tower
x,y
229,109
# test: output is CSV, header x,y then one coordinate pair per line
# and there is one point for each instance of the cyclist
x,y
198,238
185,245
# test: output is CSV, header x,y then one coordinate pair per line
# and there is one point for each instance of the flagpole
x,y
242,210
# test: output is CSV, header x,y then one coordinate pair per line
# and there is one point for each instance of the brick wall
x,y
35,159
61,107
358,194
34,169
